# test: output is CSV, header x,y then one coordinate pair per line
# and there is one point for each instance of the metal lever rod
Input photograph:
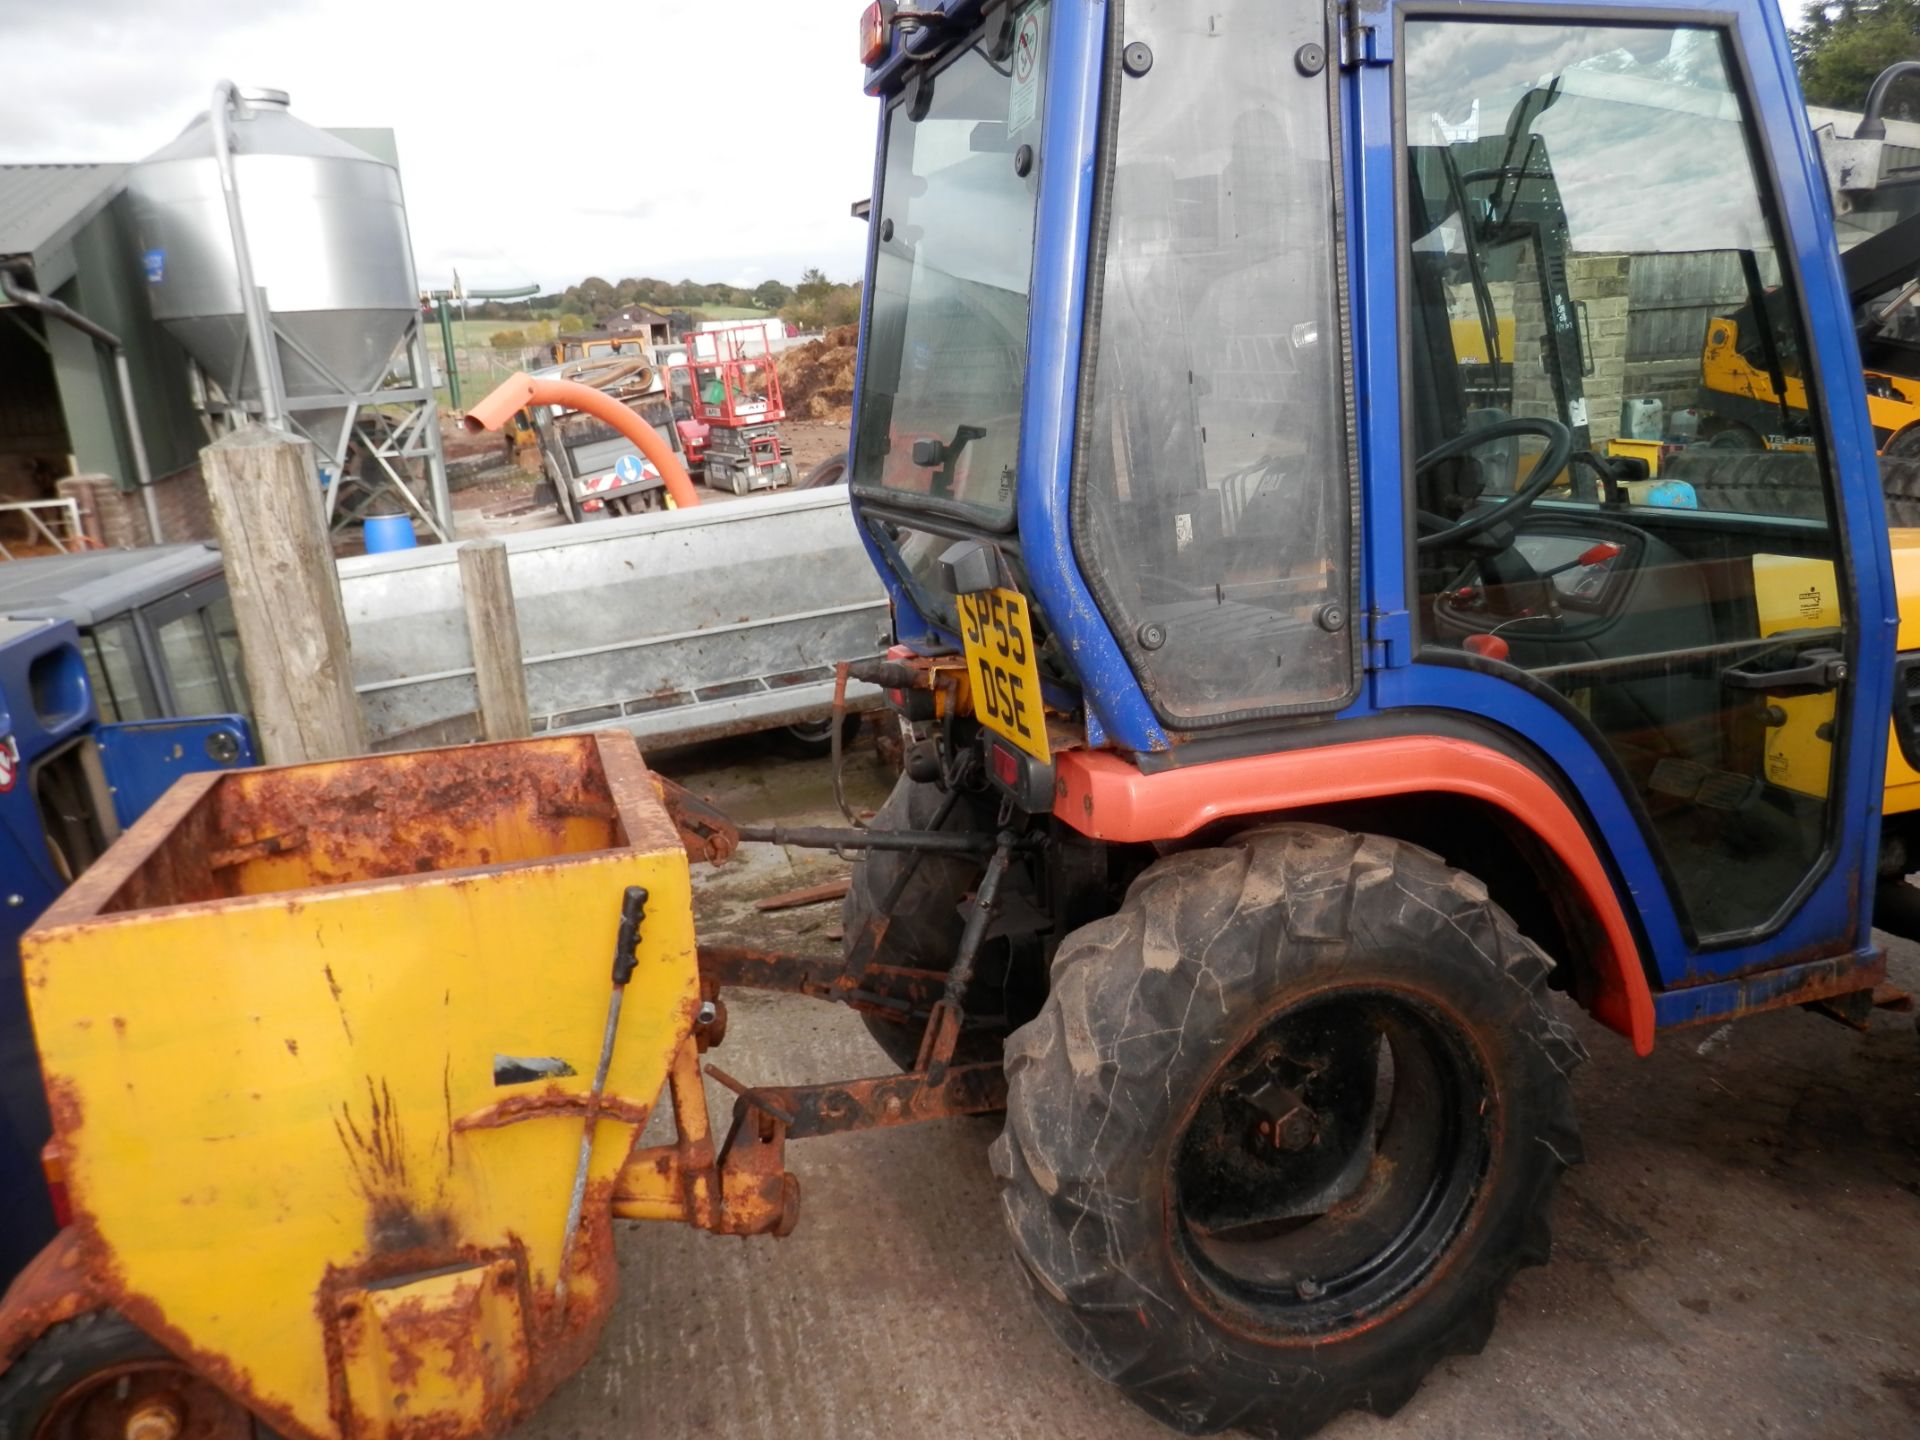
x,y
633,910
823,837
943,1024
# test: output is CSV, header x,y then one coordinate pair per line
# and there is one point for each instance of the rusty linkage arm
x,y
742,1189
705,831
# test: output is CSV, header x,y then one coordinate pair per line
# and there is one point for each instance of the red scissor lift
x,y
737,397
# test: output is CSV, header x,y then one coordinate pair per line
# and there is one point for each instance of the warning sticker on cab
x,y
9,763
998,639
1023,104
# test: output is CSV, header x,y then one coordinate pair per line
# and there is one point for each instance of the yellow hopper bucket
x,y
319,1042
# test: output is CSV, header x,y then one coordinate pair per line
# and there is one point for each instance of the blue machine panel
x,y
45,708
143,758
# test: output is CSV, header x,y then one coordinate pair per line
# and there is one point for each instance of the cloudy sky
x,y
721,140
540,141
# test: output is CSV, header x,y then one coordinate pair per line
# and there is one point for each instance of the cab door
x,y
1676,591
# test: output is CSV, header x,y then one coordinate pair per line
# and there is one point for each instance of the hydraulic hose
x,y
520,390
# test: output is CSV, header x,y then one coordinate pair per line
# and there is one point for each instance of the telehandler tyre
x,y
1288,1123
100,1377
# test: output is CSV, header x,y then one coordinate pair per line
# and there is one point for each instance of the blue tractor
x,y
118,674
1323,603
1328,627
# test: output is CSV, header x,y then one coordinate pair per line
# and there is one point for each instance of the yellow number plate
x,y
1006,681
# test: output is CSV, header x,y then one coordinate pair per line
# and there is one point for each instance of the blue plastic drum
x,y
389,532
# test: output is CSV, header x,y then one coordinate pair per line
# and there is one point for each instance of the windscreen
x,y
1212,511
947,339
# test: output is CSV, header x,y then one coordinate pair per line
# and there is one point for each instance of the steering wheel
x,y
1545,470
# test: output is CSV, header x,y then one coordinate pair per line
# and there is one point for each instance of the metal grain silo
x,y
249,194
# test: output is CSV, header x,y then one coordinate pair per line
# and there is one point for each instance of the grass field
x,y
483,366
474,332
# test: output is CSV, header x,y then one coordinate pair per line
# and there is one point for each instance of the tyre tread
x,y
1119,1010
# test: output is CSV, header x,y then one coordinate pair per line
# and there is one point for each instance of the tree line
x,y
1842,45
814,303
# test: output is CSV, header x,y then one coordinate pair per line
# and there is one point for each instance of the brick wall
x,y
117,518
1597,285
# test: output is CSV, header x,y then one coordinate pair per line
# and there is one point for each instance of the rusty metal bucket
x,y
319,1042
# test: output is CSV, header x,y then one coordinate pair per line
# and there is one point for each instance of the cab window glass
x,y
114,665
192,668
944,358
226,636
1213,507
1617,468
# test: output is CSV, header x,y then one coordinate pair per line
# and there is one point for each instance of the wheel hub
x,y
146,1400
1329,1158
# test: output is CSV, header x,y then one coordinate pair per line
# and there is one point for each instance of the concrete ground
x,y
1739,1256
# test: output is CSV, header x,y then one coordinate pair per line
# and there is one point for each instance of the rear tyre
x,y
814,739
923,932
99,1377
1904,444
1286,1126
832,471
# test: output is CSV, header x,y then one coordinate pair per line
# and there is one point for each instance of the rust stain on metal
x,y
411,1330
550,1103
338,1004
77,1274
57,1285
377,1153
238,855
425,811
890,1100
1841,975
705,831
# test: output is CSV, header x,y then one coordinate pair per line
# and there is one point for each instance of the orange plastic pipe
x,y
520,390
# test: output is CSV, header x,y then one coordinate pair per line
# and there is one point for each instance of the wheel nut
x,y
156,1420
1308,1290
1295,1131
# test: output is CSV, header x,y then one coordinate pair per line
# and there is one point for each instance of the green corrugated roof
x,y
44,206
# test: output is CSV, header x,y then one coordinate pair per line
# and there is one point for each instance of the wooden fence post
x,y
286,596
494,630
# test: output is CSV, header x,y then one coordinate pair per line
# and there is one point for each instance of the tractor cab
x,y
1288,438
1250,411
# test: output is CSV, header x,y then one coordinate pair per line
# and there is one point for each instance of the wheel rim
x,y
812,732
144,1400
1331,1161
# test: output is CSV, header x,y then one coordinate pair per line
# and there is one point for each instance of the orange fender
x,y
1104,797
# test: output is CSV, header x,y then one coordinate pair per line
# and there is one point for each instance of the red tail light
x,y
1006,765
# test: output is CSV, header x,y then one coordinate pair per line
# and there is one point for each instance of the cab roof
x,y
96,585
